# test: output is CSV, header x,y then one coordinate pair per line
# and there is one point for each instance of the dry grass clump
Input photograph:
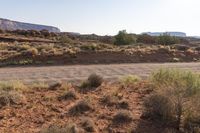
x,y
92,82
88,125
11,93
69,95
8,98
122,117
12,85
80,108
110,100
130,79
55,86
71,128
174,96
39,85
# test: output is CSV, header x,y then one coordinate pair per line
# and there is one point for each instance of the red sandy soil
x,y
42,109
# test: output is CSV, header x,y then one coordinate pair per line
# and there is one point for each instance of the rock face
x,y
178,34
6,24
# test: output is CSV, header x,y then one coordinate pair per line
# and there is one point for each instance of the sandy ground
x,y
80,72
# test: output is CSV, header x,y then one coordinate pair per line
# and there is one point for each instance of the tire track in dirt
x,y
81,72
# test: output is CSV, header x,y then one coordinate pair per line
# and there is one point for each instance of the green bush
x,y
123,38
166,39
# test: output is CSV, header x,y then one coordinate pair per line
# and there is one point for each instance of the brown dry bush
x,y
80,108
88,125
173,94
71,128
92,82
70,95
122,117
9,98
110,100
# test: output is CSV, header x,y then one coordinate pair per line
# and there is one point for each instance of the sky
x,y
107,17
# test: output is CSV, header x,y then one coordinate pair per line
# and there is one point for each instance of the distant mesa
x,y
177,34
6,24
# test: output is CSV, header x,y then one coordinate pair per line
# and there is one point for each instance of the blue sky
x,y
107,17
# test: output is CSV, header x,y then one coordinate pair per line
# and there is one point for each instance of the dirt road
x,y
80,72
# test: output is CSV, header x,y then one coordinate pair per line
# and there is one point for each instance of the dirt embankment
x,y
104,57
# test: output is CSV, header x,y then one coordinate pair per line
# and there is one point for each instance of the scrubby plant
x,y
123,38
123,104
65,39
173,94
71,128
166,39
8,98
39,85
92,82
146,39
30,52
69,95
122,117
130,79
12,85
23,47
55,86
109,100
88,125
80,108
90,46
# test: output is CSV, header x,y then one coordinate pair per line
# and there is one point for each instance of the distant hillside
x,y
6,24
178,34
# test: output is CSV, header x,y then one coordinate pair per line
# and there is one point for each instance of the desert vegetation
x,y
167,101
44,48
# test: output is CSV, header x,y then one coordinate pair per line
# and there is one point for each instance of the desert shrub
x,y
23,47
130,79
88,125
65,39
46,47
173,94
182,47
31,51
95,80
80,108
123,104
122,117
39,85
71,128
12,85
146,39
159,107
90,46
109,100
92,82
166,39
8,98
55,86
123,38
70,95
